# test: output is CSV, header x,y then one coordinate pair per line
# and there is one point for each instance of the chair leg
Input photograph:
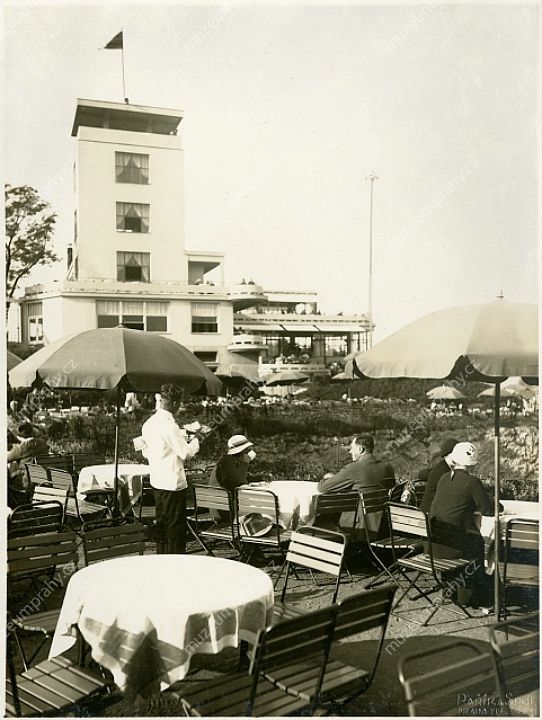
x,y
20,649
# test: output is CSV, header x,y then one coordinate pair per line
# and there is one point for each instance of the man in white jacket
x,y
167,449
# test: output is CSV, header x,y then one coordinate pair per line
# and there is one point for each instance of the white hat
x,y
237,444
464,454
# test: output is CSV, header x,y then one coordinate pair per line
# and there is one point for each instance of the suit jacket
x,y
359,475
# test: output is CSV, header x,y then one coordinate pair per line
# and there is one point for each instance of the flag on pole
x,y
116,43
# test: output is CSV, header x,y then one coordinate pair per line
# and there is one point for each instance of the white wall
x,y
65,316
97,193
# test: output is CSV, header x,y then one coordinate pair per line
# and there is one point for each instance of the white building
x,y
128,264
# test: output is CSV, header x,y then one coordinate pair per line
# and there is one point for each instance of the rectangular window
x,y
204,318
131,168
206,357
133,267
34,314
137,315
133,217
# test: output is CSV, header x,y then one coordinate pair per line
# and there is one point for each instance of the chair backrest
x,y
257,500
291,641
518,657
33,554
36,474
41,517
362,612
318,549
61,479
212,498
62,462
334,503
46,493
454,682
373,499
103,543
520,552
407,520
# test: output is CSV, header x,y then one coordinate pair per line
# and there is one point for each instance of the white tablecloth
x,y
296,501
96,477
512,509
145,616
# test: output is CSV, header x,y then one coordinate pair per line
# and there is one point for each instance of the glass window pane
x,y
156,323
108,321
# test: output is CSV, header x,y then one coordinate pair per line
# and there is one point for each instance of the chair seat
x,y
423,563
85,508
228,697
50,687
39,622
399,543
269,540
219,530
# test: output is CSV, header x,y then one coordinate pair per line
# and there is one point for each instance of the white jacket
x,y
166,450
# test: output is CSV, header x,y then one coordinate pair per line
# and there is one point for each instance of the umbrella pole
x,y
116,480
497,497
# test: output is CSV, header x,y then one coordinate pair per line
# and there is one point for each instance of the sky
x,y
287,109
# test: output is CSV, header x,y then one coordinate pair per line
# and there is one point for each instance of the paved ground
x,y
385,696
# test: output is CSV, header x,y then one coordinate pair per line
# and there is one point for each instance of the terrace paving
x,y
384,697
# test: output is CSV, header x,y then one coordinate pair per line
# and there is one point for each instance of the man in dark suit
x,y
364,470
439,468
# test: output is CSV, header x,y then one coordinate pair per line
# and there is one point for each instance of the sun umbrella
x,y
445,392
107,358
286,377
12,360
513,387
342,377
487,342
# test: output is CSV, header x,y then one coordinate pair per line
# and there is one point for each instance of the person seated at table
x,y
364,470
441,466
458,496
231,470
28,444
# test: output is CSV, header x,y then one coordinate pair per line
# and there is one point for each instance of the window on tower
x,y
133,267
131,168
133,217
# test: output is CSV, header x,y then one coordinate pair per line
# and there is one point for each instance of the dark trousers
x,y
171,520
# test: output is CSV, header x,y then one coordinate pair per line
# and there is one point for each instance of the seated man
x,y
364,470
441,466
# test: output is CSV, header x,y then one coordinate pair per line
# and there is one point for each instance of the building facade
x,y
128,263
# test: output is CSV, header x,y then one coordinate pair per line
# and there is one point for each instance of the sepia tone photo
x,y
271,384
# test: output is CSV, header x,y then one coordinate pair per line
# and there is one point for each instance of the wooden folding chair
x,y
39,559
112,541
520,557
75,509
374,504
36,474
442,681
214,498
322,551
357,614
52,687
39,517
258,501
61,462
407,520
285,675
47,494
518,657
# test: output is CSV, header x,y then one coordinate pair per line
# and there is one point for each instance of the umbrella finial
x,y
500,296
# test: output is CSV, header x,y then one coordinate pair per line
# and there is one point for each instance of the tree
x,y
29,228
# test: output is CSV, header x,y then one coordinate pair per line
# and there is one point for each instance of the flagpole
x,y
122,58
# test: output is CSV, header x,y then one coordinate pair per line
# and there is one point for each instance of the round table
x,y
145,616
102,477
